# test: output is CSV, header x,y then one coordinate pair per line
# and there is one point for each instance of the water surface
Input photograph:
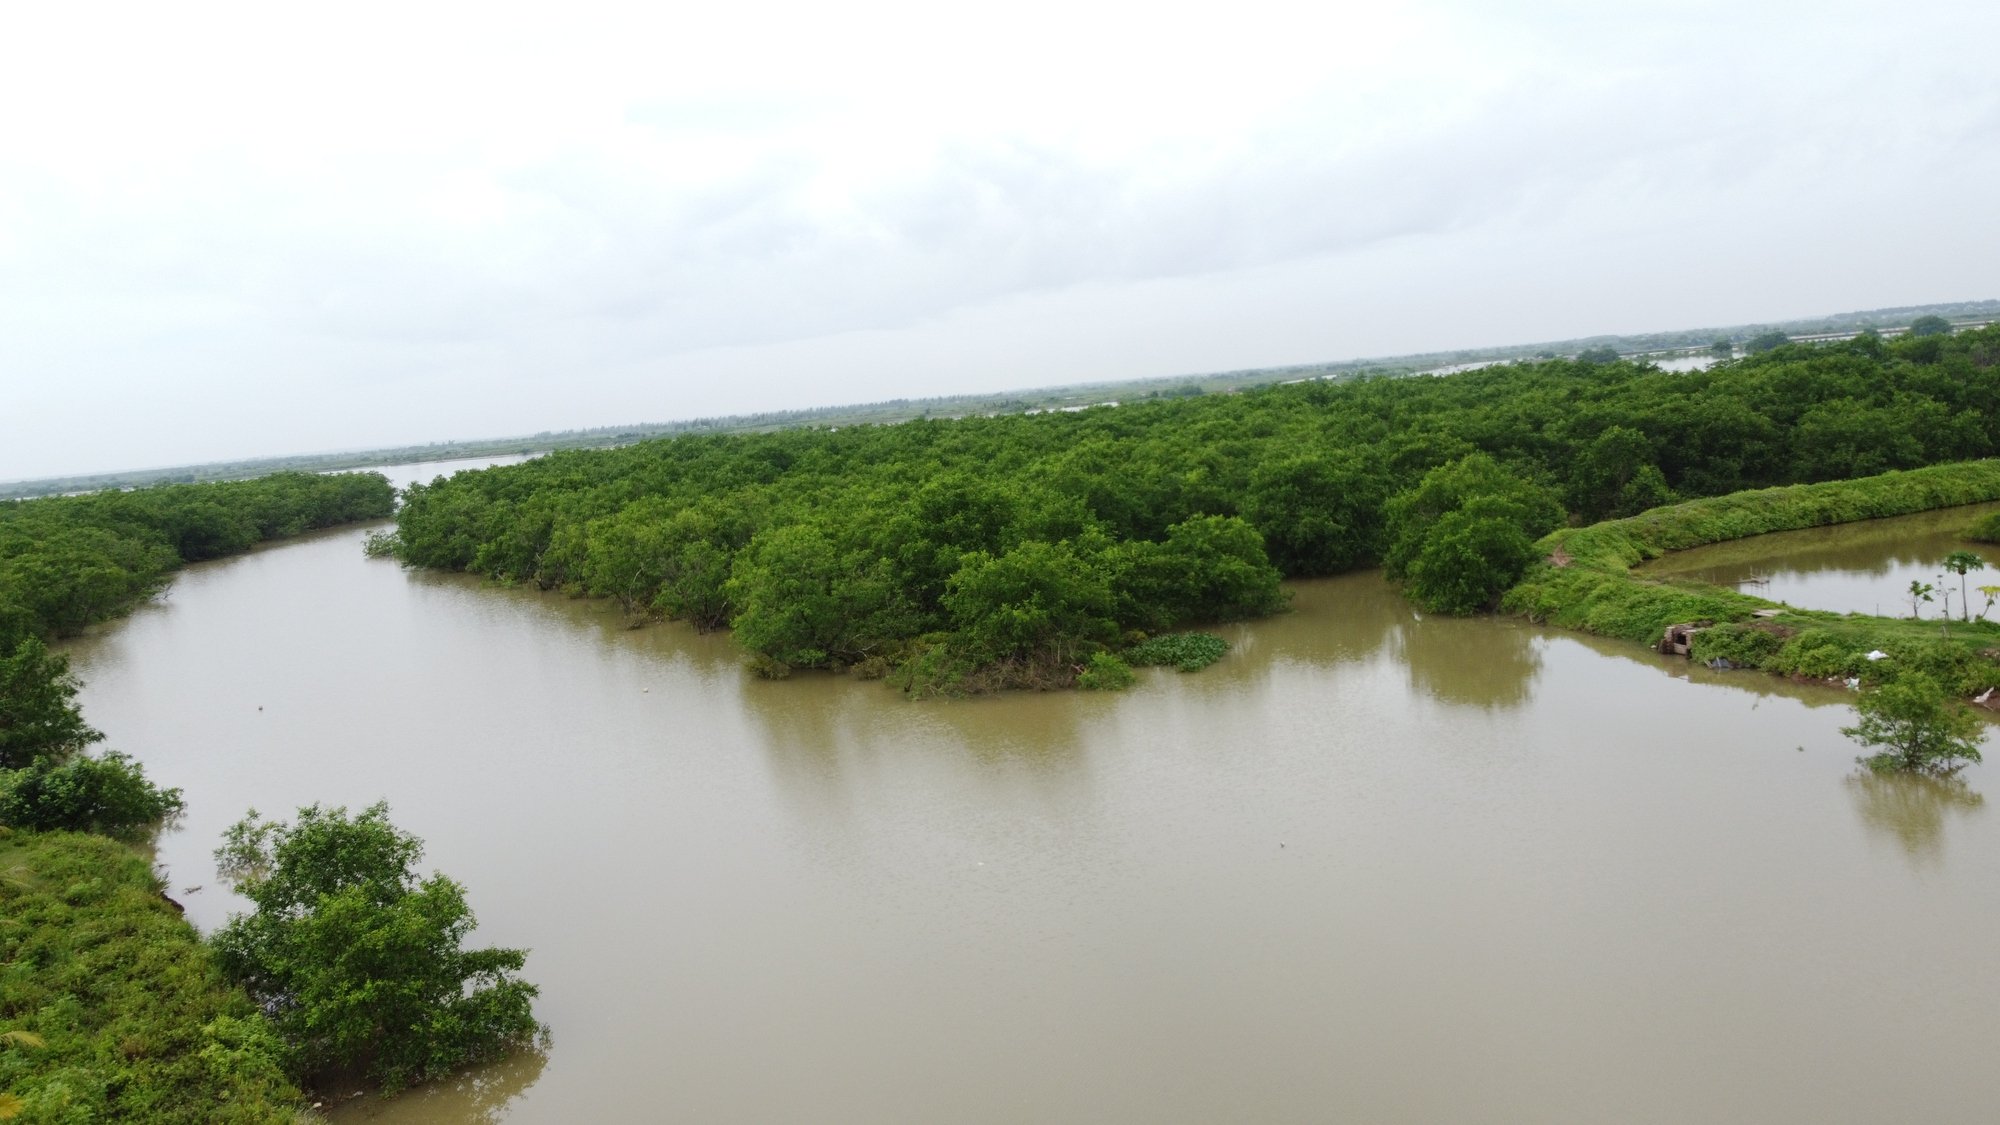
x,y
1864,567
1371,867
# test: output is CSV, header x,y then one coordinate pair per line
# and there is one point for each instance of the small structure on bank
x,y
1677,638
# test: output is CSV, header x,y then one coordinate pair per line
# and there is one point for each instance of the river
x,y
1370,867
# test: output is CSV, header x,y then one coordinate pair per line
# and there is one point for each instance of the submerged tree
x,y
357,960
1917,727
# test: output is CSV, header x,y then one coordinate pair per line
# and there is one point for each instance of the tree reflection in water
x,y
1476,662
480,1096
1912,808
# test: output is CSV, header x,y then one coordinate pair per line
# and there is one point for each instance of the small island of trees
x,y
1022,551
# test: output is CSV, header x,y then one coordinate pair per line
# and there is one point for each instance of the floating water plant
x,y
1190,652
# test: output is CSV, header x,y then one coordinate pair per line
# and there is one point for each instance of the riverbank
x,y
1585,582
110,1006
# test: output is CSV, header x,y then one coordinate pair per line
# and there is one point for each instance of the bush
x,y
1106,672
38,713
360,961
108,795
1745,646
1918,727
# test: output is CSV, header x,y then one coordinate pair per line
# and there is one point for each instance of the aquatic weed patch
x,y
1190,652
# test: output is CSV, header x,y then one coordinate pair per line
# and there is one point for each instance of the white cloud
x,y
236,228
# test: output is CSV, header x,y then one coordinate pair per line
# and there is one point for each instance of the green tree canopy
x,y
1917,727
1319,513
1039,601
110,796
359,961
1466,533
39,717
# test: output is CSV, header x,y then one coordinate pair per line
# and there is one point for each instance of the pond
x,y
1864,567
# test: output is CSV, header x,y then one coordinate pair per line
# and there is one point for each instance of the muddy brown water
x,y
1371,867
1864,567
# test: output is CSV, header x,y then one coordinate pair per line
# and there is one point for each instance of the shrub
x,y
108,795
1105,672
1743,645
360,961
38,713
1917,726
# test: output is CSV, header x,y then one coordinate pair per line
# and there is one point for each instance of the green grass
x,y
111,1009
1586,582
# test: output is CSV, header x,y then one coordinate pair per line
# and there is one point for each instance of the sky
x,y
236,230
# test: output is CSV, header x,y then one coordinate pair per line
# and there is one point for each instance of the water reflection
x,y
1234,895
1333,621
1471,663
1912,808
478,1096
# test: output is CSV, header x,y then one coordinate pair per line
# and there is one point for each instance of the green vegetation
x,y
108,795
1960,563
1190,652
1585,582
1466,533
1105,672
110,1008
38,714
360,961
1715,341
981,553
71,561
1986,530
46,779
1930,326
1918,727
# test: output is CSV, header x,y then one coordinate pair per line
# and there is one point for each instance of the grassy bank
x,y
1586,582
111,1009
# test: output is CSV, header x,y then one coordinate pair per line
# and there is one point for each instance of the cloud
x,y
262,211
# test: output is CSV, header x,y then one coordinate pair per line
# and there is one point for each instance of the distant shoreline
x,y
1075,396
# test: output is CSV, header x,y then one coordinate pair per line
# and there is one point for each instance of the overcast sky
x,y
237,230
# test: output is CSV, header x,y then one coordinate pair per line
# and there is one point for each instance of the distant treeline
x,y
1009,550
68,562
1070,397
